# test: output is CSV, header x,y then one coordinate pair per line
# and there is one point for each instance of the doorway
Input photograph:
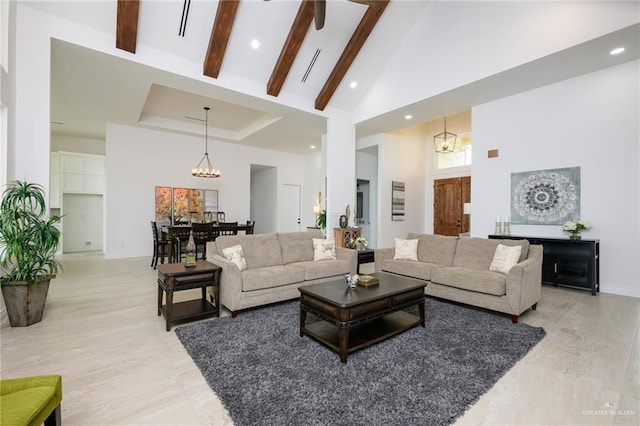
x,y
449,196
263,198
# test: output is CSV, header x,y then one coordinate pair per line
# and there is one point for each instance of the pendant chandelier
x,y
204,168
445,141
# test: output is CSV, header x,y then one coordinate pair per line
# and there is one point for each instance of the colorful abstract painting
x,y
545,197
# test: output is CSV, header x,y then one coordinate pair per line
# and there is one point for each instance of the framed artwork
x,y
545,197
164,204
397,200
185,205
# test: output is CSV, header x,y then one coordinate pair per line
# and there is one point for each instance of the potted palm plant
x,y
29,240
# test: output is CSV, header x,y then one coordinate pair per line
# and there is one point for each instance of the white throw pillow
x,y
505,258
236,255
324,249
406,250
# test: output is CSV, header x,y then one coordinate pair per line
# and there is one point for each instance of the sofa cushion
x,y
324,249
270,276
437,249
406,250
469,279
505,258
235,254
259,250
297,246
477,253
524,254
409,268
326,268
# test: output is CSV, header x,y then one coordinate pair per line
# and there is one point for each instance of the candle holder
x,y
506,228
498,230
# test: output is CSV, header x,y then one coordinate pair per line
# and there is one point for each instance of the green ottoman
x,y
31,401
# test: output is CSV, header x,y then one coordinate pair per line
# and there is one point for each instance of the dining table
x,y
171,232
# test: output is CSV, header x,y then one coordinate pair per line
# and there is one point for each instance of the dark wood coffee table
x,y
353,319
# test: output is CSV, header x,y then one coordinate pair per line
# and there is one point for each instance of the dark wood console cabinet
x,y
574,263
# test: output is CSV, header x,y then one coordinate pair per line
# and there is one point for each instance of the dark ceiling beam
x,y
291,46
360,35
127,25
225,16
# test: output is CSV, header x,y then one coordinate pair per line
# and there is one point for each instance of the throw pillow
x,y
324,249
236,255
406,250
505,258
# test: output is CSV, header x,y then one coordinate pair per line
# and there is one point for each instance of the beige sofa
x,y
457,269
277,264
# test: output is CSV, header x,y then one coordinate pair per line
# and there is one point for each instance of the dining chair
x,y
220,217
250,225
181,237
159,245
202,233
228,228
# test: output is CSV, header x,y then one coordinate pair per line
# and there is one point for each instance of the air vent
x,y
185,16
311,64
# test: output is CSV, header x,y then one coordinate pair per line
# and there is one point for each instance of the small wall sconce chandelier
x,y
207,171
445,141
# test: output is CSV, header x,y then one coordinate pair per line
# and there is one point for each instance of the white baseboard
x,y
621,291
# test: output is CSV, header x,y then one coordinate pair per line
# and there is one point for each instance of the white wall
x,y
139,159
591,121
367,169
456,39
313,184
400,158
340,150
77,144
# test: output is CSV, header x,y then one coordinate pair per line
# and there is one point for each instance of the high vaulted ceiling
x,y
90,88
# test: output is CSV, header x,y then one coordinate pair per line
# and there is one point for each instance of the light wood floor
x,y
120,366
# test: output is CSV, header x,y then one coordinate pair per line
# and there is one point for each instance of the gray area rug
x,y
265,374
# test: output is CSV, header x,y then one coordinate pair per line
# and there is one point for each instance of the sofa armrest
x,y
524,281
230,281
350,256
383,254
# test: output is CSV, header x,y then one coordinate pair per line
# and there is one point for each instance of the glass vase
x,y
575,236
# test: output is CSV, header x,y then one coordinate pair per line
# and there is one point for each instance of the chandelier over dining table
x,y
204,168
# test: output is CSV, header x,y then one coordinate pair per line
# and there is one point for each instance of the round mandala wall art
x,y
545,197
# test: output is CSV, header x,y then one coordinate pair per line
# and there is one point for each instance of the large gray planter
x,y
25,301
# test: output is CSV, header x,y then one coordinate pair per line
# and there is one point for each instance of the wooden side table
x,y
176,277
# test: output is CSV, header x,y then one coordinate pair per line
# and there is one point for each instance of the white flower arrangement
x,y
575,226
362,241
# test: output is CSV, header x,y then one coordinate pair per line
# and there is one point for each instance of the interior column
x,y
340,149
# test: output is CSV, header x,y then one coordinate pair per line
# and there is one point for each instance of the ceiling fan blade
x,y
319,7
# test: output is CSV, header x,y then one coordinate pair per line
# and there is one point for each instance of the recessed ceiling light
x,y
255,43
617,50
408,117
312,146
353,84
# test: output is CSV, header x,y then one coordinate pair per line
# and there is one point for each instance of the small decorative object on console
x,y
498,230
190,257
352,281
368,281
506,226
361,243
574,227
